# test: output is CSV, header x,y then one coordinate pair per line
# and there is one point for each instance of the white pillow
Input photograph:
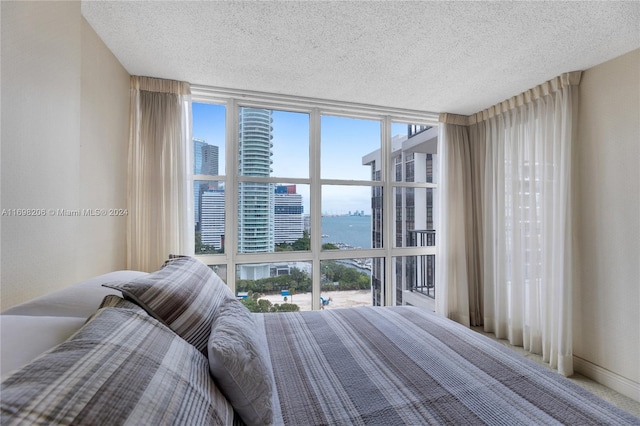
x,y
78,300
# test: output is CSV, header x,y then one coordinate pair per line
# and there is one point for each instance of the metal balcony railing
x,y
421,269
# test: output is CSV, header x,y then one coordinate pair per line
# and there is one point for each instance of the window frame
x,y
233,100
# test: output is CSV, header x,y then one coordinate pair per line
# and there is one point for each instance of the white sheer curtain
x,y
504,255
527,209
158,195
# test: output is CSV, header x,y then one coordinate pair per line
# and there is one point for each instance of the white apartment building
x,y
288,220
212,213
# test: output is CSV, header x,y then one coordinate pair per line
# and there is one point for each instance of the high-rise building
x,y
197,169
197,155
288,210
255,199
210,160
414,214
205,162
212,213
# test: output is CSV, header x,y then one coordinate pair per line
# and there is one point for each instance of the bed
x,y
144,358
402,365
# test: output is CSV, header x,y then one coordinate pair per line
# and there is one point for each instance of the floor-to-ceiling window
x,y
303,204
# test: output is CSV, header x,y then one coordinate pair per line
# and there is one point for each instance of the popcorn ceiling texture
x,y
458,57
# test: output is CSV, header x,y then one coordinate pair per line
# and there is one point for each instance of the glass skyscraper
x,y
255,199
205,162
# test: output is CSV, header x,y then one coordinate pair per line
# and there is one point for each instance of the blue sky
x,y
344,142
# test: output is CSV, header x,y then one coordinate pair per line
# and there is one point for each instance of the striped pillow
x,y
184,294
122,367
113,301
117,302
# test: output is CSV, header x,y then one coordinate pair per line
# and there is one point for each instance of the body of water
x,y
354,231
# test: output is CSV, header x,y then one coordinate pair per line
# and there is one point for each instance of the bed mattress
x,y
402,365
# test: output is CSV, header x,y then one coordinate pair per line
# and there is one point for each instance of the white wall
x,y
104,139
607,225
64,136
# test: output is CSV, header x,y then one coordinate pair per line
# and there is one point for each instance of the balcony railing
x,y
421,269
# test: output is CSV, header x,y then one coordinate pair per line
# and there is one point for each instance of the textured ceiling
x,y
458,57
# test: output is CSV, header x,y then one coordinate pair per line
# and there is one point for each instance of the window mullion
x,y
231,193
316,212
387,221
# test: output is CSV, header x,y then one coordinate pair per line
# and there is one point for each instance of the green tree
x,y
348,278
330,246
303,244
263,305
288,307
257,305
251,304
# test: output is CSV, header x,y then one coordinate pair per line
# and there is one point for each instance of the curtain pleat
x,y
475,231
452,285
460,267
158,193
518,244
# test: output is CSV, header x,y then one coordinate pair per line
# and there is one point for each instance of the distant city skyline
x,y
344,142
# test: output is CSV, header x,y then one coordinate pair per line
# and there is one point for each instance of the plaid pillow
x,y
122,367
240,365
184,294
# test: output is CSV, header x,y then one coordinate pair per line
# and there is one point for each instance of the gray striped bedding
x,y
184,295
122,368
401,365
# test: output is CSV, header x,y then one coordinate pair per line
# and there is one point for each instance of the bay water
x,y
354,231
